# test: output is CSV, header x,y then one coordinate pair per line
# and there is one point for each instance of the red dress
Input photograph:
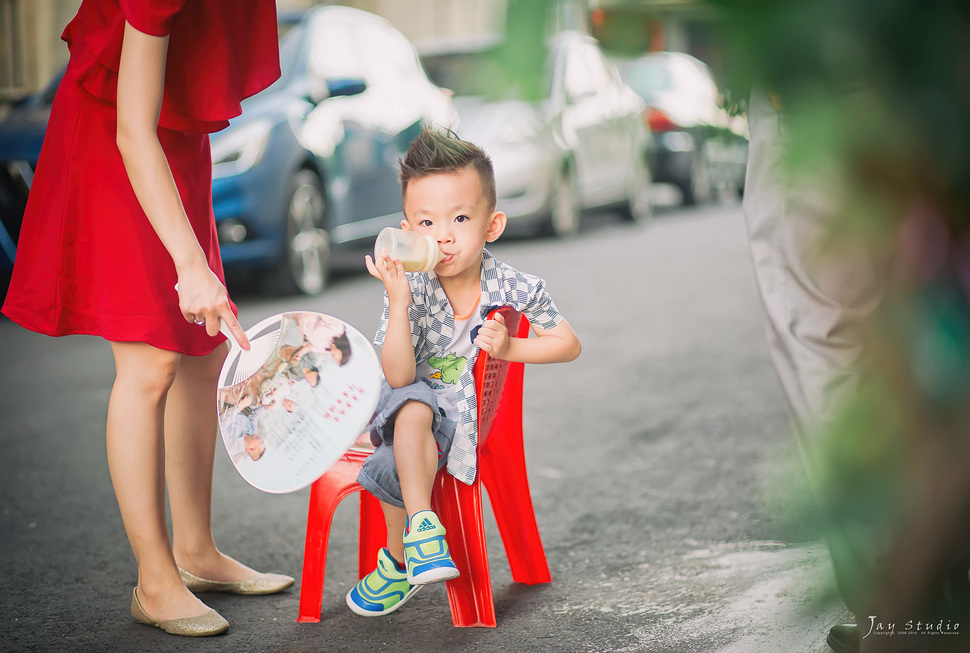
x,y
88,260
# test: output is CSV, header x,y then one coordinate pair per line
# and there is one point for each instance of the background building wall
x,y
31,50
30,46
424,20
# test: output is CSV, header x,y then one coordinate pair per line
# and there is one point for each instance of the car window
x,y
46,97
290,41
465,73
648,77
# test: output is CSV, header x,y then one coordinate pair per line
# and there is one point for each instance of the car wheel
x,y
307,259
639,206
565,213
697,190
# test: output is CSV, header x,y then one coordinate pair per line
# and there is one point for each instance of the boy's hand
x,y
391,273
493,337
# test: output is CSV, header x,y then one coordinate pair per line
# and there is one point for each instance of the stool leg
x,y
325,494
324,497
373,533
460,508
503,472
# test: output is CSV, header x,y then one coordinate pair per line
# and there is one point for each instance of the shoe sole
x,y
434,576
838,646
204,625
356,609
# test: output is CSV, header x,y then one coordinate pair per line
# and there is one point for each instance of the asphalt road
x,y
660,464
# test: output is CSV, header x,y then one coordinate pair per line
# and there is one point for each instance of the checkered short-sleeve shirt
x,y
432,328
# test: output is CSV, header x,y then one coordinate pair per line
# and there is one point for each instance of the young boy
x,y
430,332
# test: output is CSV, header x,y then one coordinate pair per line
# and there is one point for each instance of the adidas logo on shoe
x,y
426,551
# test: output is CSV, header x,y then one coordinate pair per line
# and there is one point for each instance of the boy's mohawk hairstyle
x,y
434,152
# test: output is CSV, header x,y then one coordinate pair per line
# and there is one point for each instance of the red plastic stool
x,y
501,465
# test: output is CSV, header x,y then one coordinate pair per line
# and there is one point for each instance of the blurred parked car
x,y
311,164
697,145
21,135
582,146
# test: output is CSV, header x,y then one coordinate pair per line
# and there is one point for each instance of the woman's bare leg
x,y
136,460
191,428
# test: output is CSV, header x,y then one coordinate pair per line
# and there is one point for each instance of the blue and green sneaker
x,y
383,590
426,551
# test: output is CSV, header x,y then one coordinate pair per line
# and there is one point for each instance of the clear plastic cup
x,y
418,252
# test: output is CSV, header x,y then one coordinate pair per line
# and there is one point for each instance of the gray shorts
x,y
379,473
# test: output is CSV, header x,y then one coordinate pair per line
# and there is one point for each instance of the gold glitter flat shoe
x,y
210,623
258,584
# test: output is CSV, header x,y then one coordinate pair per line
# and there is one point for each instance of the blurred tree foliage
x,y
885,81
515,67
879,90
522,55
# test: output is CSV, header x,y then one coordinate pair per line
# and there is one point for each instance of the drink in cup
x,y
417,252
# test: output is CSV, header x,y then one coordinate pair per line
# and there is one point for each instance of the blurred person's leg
x,y
815,306
818,299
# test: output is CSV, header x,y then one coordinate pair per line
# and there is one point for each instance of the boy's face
x,y
452,209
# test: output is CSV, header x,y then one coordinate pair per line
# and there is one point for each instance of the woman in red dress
x,y
119,212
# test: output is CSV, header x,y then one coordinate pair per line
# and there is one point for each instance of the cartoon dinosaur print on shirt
x,y
449,368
